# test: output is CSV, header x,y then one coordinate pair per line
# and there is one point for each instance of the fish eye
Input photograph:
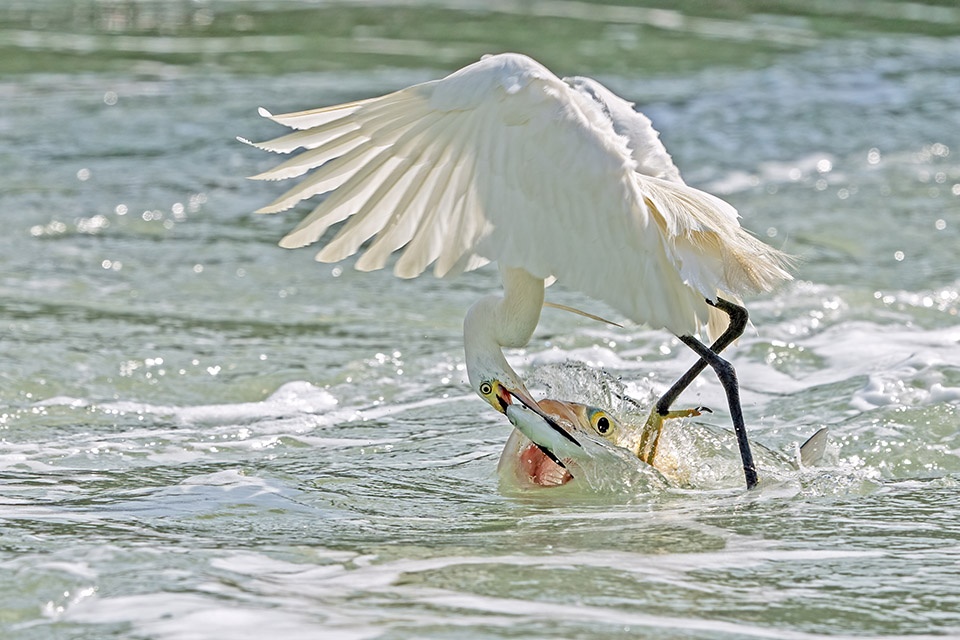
x,y
486,388
601,422
603,425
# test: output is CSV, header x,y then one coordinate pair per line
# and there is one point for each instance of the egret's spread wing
x,y
504,161
643,140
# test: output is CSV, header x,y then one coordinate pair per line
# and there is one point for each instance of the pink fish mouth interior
x,y
542,470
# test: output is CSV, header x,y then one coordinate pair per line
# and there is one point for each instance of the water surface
x,y
205,436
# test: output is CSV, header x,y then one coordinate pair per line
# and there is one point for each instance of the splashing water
x,y
692,454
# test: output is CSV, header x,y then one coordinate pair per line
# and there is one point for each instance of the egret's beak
x,y
503,397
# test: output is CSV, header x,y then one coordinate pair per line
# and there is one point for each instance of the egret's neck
x,y
495,322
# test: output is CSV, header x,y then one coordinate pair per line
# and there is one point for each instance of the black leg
x,y
728,378
726,374
738,322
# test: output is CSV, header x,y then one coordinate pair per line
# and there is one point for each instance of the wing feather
x,y
390,197
399,227
327,143
315,119
465,228
335,173
305,139
428,240
447,218
502,161
331,148
371,116
373,149
406,219
646,149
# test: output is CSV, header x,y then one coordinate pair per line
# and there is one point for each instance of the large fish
x,y
558,442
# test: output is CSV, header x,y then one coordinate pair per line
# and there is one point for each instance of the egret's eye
x,y
601,422
486,388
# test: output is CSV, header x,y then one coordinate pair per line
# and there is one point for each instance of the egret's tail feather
x,y
714,253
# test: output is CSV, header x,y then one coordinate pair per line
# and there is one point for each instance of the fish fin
x,y
811,451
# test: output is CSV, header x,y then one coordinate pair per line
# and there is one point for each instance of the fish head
x,y
568,443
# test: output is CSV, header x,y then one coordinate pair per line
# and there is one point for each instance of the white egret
x,y
552,179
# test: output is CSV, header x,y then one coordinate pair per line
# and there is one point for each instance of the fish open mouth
x,y
541,470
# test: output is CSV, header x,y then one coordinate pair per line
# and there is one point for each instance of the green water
x,y
205,436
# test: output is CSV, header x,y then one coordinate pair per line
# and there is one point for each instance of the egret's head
x,y
497,395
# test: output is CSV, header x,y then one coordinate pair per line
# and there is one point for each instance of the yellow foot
x,y
650,437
